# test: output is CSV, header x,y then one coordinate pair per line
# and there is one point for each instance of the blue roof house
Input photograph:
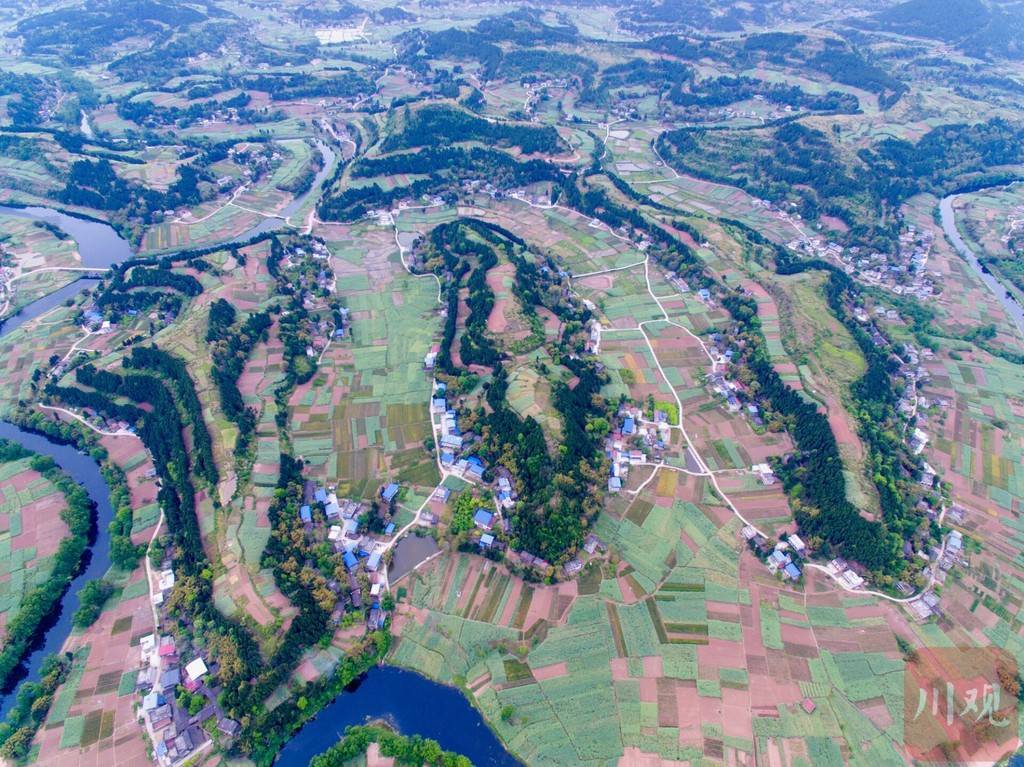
x,y
792,571
350,560
628,426
483,518
306,514
320,496
389,492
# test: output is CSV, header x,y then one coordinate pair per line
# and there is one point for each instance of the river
x,y
98,244
86,472
42,305
85,126
100,247
1013,309
412,704
273,223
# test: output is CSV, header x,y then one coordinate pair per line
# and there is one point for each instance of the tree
x,y
462,513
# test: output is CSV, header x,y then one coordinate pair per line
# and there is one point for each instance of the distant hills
x,y
981,29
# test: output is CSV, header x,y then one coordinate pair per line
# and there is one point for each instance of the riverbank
x,y
1014,310
92,561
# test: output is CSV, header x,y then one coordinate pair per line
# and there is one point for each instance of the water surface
x,y
413,705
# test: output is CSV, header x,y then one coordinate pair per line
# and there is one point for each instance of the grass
x,y
829,361
517,671
616,626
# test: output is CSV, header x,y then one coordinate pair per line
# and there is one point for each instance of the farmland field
x,y
30,507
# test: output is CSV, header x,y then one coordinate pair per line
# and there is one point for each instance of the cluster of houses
x,y
765,473
904,273
914,405
678,282
359,550
621,444
177,734
735,113
6,278
165,582
592,547
453,442
845,573
483,520
324,332
1014,225
94,321
942,560
731,391
255,160
784,558
538,91
881,313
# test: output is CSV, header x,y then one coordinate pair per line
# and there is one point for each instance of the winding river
x,y
96,559
98,244
1013,309
272,223
100,247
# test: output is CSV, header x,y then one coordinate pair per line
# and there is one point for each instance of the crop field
x,y
833,362
974,427
710,659
30,531
30,345
159,171
621,297
364,416
529,394
31,248
25,175
94,710
636,162
660,636
988,221
219,223
631,366
579,245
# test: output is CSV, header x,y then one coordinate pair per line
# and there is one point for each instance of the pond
x,y
410,552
